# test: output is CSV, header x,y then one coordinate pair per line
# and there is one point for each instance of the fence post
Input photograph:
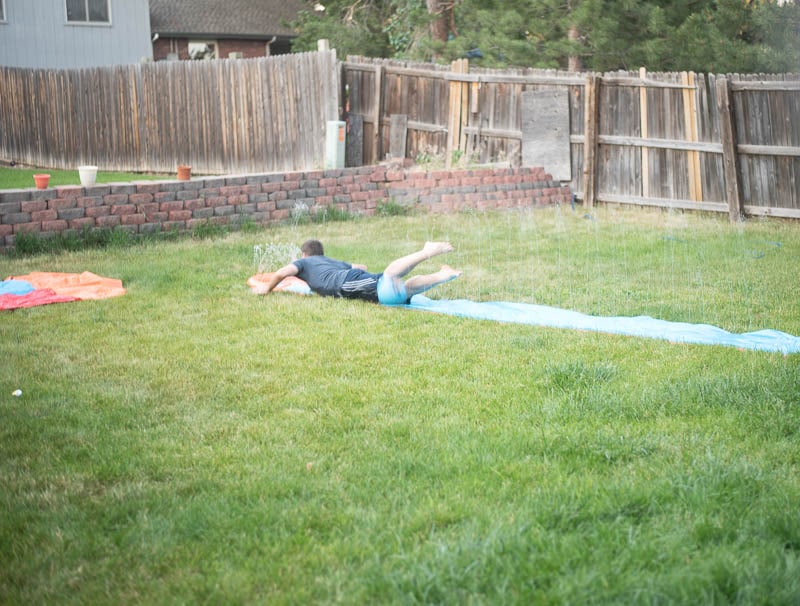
x,y
730,164
455,109
590,128
465,98
643,125
690,124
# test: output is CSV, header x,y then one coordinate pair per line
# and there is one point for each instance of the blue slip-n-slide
x,y
639,326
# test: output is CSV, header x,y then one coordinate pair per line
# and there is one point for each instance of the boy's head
x,y
312,248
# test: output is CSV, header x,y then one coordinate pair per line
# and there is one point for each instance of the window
x,y
88,11
202,49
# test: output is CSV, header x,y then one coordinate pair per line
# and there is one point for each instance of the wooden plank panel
x,y
691,133
377,114
365,107
545,131
591,96
283,100
301,114
354,145
314,79
398,133
644,130
728,136
464,111
295,114
268,145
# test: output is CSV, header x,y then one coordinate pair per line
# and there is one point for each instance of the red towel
x,y
42,296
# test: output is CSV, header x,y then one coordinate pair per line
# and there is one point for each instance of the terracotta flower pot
x,y
41,181
184,172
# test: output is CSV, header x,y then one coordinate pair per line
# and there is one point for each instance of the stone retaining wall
x,y
145,207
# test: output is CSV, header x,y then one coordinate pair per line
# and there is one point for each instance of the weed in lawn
x,y
302,214
392,208
248,226
208,229
332,213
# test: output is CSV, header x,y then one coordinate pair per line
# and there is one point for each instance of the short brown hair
x,y
312,248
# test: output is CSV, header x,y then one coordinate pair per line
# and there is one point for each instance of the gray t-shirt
x,y
324,275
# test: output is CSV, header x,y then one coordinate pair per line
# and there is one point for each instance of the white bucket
x,y
88,175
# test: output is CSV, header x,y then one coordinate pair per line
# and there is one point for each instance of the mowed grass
x,y
21,177
191,443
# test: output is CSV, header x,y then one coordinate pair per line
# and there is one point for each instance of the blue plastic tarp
x,y
639,326
15,287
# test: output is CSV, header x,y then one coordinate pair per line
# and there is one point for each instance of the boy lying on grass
x,y
332,278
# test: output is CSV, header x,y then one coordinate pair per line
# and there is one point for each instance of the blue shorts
x,y
392,292
363,285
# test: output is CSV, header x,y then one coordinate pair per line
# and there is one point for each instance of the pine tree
x,y
601,35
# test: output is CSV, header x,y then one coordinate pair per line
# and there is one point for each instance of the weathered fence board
x,y
545,131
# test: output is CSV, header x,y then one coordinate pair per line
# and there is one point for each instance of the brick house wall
x,y
250,49
146,207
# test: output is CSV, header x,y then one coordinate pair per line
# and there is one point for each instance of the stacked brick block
x,y
151,206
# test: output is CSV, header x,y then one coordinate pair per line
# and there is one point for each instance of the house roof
x,y
224,18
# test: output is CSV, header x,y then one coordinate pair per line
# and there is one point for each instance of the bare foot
x,y
448,273
437,248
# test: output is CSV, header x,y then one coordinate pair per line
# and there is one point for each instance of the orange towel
x,y
81,286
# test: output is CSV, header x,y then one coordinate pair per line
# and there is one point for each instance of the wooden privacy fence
x,y
719,143
693,141
227,116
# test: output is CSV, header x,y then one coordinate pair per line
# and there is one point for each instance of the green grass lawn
x,y
192,443
22,177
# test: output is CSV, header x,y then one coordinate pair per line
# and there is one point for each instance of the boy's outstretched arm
x,y
275,279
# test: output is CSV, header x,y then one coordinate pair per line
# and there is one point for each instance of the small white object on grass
x,y
17,393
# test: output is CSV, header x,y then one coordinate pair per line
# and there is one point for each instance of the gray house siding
x,y
36,33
